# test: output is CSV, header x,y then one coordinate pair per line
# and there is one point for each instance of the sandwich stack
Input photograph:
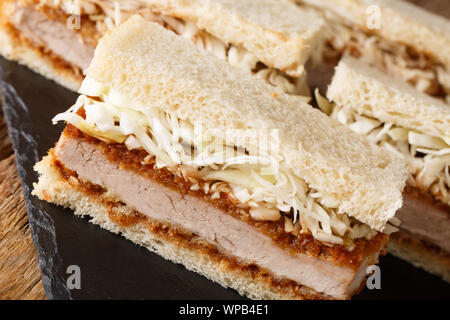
x,y
300,218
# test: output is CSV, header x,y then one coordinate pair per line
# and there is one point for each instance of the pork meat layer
x,y
53,35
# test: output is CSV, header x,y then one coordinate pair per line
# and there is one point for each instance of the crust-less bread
x,y
52,187
401,21
13,48
279,33
156,68
383,97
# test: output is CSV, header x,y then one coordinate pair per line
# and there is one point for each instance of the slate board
x,y
112,267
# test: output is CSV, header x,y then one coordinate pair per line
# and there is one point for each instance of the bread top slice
x,y
162,71
371,92
401,21
277,32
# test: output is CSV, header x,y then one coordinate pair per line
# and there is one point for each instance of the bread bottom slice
x,y
195,254
15,48
420,253
424,238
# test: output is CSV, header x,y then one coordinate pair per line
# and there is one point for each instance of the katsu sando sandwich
x,y
160,147
394,36
271,38
417,127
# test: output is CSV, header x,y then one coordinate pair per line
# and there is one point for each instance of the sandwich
x,y
272,39
160,148
394,36
393,115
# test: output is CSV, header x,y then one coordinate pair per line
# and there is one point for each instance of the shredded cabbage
x,y
255,178
323,103
428,156
426,141
398,134
364,125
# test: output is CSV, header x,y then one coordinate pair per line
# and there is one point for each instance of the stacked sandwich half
x,y
417,127
269,38
160,147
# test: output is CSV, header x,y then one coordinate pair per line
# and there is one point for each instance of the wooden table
x,y
20,277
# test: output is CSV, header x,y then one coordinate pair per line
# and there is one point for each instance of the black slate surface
x,y
112,267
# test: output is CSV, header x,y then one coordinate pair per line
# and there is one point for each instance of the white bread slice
x,y
277,32
13,48
401,22
157,69
54,188
368,91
